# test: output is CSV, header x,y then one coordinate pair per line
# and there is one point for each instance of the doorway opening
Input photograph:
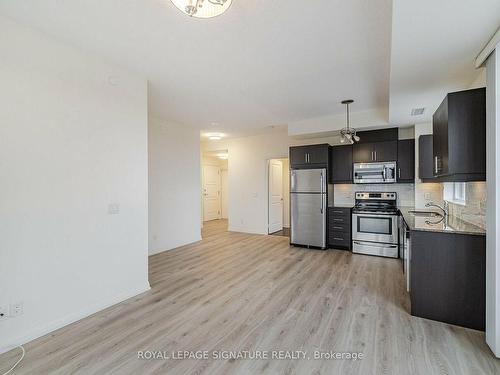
x,y
215,192
279,197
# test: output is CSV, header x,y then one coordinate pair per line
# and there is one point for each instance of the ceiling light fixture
x,y
348,134
215,137
202,8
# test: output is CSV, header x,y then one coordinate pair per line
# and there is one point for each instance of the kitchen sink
x,y
425,213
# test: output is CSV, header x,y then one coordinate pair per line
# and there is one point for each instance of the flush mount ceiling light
x,y
203,8
215,137
348,134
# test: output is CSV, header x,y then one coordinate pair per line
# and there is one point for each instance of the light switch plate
x,y
427,196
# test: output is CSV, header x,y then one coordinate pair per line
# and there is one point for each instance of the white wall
x,y
71,143
286,192
174,186
493,206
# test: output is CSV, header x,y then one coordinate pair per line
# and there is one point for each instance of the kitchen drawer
x,y
339,211
339,227
339,239
340,220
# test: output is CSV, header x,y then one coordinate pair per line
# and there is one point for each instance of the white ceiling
x,y
261,63
434,44
278,62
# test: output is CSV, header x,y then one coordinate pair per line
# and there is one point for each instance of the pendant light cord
x,y
18,361
347,115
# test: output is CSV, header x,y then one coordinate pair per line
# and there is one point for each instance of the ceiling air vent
x,y
417,111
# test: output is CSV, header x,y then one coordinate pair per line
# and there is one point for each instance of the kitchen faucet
x,y
445,207
445,210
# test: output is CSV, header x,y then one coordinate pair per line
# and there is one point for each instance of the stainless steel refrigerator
x,y
308,189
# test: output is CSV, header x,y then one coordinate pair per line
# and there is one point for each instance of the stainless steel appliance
x,y
375,224
405,249
308,189
375,173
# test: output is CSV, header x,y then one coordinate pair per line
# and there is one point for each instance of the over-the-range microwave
x,y
375,173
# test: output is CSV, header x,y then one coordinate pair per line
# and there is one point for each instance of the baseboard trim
x,y
159,251
72,318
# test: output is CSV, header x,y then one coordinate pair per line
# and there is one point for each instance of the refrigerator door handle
x,y
321,190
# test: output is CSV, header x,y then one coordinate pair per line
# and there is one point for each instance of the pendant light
x,y
348,134
202,8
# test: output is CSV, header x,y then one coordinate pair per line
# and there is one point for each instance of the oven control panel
x,y
376,196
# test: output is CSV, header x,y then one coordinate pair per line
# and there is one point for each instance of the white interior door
x,y
211,192
224,193
275,196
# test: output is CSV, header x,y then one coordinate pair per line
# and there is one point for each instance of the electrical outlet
x,y
16,309
113,209
4,312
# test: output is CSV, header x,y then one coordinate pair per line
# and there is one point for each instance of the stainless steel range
x,y
375,224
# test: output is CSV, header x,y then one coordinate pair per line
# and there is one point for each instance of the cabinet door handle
x,y
375,155
372,156
399,172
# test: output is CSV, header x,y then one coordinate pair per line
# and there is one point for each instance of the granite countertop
x,y
455,224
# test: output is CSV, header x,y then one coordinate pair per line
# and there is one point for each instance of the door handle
x,y
372,156
321,191
375,155
399,172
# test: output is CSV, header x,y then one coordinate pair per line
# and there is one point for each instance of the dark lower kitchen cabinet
x,y
339,228
425,165
375,151
459,137
448,278
406,161
341,165
311,156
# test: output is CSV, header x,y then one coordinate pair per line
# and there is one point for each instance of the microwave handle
x,y
384,172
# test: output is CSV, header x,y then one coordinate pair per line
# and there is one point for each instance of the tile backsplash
x,y
474,210
344,193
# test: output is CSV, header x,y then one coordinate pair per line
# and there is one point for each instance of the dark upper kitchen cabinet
x,y
341,165
311,156
375,151
406,160
425,164
459,137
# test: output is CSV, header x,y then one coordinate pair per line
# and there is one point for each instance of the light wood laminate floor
x,y
235,291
